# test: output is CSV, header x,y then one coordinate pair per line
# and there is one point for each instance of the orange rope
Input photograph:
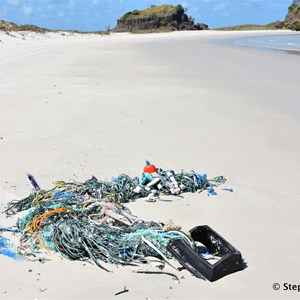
x,y
35,224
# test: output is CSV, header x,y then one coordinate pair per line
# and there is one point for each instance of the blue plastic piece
x,y
115,179
59,194
200,180
4,248
211,192
8,229
145,178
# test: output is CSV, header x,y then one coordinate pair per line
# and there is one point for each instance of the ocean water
x,y
276,42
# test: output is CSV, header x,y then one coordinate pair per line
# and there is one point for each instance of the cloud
x,y
220,7
223,9
52,1
71,4
27,9
13,2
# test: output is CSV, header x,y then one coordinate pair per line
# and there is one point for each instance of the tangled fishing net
x,y
88,221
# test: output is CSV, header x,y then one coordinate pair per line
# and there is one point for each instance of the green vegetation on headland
x,y
161,18
292,20
10,26
271,26
162,10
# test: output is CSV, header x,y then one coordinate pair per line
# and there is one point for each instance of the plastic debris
x,y
217,257
211,192
8,229
125,290
149,168
6,248
175,277
228,189
33,182
89,222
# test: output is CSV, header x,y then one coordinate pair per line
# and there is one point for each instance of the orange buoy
x,y
149,168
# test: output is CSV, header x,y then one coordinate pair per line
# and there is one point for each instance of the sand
x,y
73,106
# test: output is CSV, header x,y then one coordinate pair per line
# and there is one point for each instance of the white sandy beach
x,y
73,106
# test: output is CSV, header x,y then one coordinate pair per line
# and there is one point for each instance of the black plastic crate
x,y
229,258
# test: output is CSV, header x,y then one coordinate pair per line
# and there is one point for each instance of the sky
x,y
96,15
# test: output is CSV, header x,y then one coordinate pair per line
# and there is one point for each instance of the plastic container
x,y
229,258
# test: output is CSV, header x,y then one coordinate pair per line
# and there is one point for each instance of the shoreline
x,y
237,35
261,42
76,106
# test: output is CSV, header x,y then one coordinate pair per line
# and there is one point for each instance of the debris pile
x,y
88,221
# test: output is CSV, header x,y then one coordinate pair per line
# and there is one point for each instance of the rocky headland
x,y
157,18
292,20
